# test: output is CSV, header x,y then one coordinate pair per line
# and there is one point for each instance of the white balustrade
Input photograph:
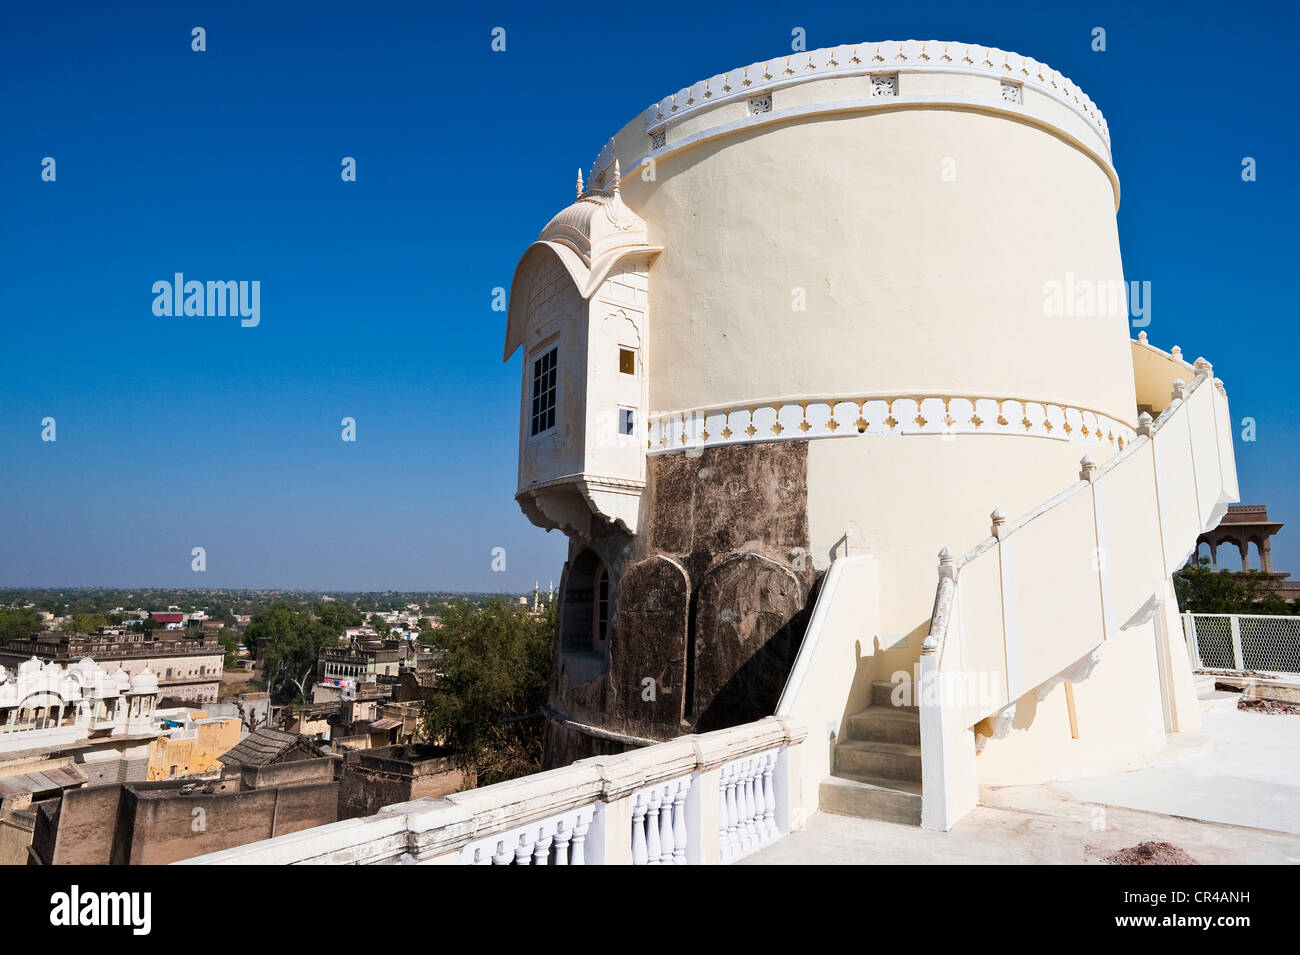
x,y
561,839
660,835
561,816
746,805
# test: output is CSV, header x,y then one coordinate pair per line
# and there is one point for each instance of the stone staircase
x,y
877,768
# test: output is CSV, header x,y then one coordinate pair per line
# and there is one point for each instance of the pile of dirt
x,y
1272,707
1151,853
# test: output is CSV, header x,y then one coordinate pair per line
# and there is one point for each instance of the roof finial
x,y
618,177
580,186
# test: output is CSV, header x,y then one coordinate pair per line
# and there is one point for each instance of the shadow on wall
x,y
754,688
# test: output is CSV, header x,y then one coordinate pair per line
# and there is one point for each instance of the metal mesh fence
x,y
1245,641
1214,641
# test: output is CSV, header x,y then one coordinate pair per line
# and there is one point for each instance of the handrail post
x,y
1235,627
1193,642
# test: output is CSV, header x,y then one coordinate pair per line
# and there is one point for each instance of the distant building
x,y
193,745
364,662
25,781
45,705
188,667
375,778
1243,525
153,823
266,746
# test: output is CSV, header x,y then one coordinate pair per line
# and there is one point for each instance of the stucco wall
x,y
911,282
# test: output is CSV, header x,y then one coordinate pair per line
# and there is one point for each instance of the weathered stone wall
x,y
155,823
377,778
711,601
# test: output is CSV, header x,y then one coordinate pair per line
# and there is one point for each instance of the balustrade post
x,y
653,849
734,799
524,851
542,849
638,831
724,838
666,843
751,830
679,821
502,856
562,836
1238,657
769,794
579,842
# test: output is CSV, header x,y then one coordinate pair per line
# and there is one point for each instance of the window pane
x,y
543,397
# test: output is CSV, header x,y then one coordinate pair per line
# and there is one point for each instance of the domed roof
x,y
28,667
122,678
596,224
589,237
144,682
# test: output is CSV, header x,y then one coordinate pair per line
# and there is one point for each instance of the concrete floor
x,y
1235,799
1247,775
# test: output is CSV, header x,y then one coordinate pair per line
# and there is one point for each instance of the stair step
x,y
1218,701
872,797
882,692
885,724
898,761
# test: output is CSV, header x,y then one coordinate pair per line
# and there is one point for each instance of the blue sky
x,y
376,295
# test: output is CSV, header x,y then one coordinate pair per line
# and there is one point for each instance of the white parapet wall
x,y
832,673
1038,604
703,800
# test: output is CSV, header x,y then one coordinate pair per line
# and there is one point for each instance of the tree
x,y
337,617
88,622
294,639
492,685
231,644
18,625
1202,590
248,715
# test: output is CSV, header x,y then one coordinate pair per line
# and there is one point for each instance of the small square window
x,y
1011,92
659,139
626,421
627,361
760,104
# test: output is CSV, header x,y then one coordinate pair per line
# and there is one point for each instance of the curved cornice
x,y
911,56
865,59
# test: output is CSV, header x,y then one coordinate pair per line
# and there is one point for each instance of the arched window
x,y
588,605
600,622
